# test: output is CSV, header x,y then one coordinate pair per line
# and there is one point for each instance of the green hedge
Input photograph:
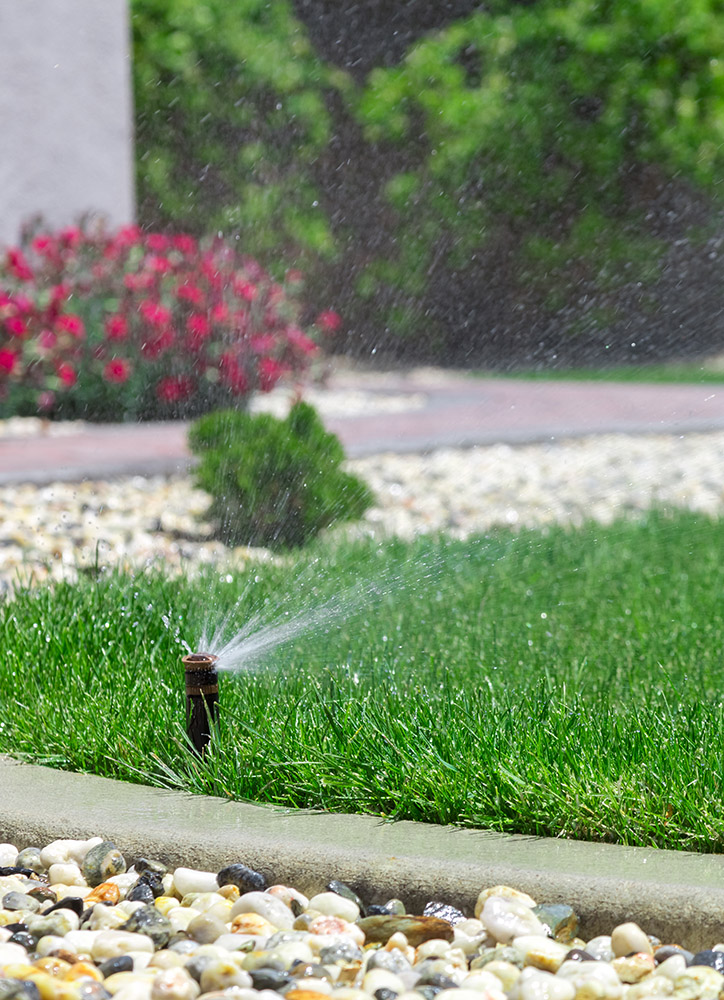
x,y
523,171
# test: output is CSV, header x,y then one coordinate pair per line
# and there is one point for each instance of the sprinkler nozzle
x,y
202,697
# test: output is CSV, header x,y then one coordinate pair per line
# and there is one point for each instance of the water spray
x,y
202,698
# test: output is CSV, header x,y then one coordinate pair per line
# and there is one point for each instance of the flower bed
x,y
132,325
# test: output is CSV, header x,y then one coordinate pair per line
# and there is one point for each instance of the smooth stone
x,y
714,959
269,978
628,938
600,948
106,892
506,972
58,923
340,953
143,865
223,973
633,968
482,981
504,892
266,906
106,918
458,994
122,963
20,901
699,982
536,984
111,944
332,904
24,939
18,989
73,903
541,952
382,979
580,955
665,951
393,907
10,954
141,892
188,880
65,873
148,920
102,861
309,970
560,919
501,953
506,918
245,879
469,935
651,986
50,944
342,889
174,984
392,960
592,980
379,929
443,911
30,858
89,990
205,928
43,894
672,967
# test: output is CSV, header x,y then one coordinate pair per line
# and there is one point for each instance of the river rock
x,y
393,907
592,980
342,889
245,879
505,892
600,948
102,861
633,968
699,982
205,928
20,901
714,959
174,984
379,929
17,989
536,984
560,919
628,938
223,973
506,917
443,911
332,904
542,952
265,906
148,920
651,986
30,858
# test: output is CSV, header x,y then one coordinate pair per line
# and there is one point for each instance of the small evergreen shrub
x,y
275,483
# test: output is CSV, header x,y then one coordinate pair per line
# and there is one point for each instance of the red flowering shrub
x,y
133,325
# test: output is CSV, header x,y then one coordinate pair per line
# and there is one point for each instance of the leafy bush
x,y
128,325
524,127
275,483
230,117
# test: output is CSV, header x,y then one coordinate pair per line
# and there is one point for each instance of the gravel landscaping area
x,y
79,921
138,521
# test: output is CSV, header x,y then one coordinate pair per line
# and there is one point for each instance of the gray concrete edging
x,y
678,896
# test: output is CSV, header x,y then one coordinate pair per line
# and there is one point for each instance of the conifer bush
x,y
274,483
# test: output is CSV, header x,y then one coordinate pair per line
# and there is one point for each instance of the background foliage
x,y
507,184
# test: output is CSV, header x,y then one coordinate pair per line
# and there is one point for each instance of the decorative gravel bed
x,y
77,922
50,531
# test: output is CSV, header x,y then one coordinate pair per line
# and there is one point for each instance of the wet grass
x,y
566,683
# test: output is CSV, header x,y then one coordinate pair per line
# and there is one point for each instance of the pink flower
x,y
18,265
128,236
185,244
8,360
174,388
66,373
44,245
263,343
220,313
297,338
15,326
270,371
198,325
329,321
71,236
232,374
159,264
139,282
155,314
47,340
244,289
157,242
117,370
190,293
116,327
70,324
155,346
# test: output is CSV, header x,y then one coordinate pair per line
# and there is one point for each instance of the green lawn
x,y
564,683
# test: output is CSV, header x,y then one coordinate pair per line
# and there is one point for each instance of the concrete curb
x,y
677,896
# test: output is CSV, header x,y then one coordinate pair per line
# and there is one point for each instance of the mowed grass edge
x,y
563,682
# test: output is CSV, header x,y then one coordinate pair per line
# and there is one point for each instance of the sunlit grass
x,y
706,371
564,683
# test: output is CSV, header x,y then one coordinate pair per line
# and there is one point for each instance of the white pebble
x,y
12,954
174,984
381,979
265,906
8,855
188,880
111,944
334,905
506,919
65,873
628,938
535,984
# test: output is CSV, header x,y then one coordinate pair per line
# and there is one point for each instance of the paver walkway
x,y
459,411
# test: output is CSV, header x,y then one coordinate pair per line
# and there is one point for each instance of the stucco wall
x,y
65,112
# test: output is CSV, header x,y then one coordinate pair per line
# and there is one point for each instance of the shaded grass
x,y
563,683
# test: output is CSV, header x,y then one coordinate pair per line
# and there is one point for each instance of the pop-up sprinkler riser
x,y
202,697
